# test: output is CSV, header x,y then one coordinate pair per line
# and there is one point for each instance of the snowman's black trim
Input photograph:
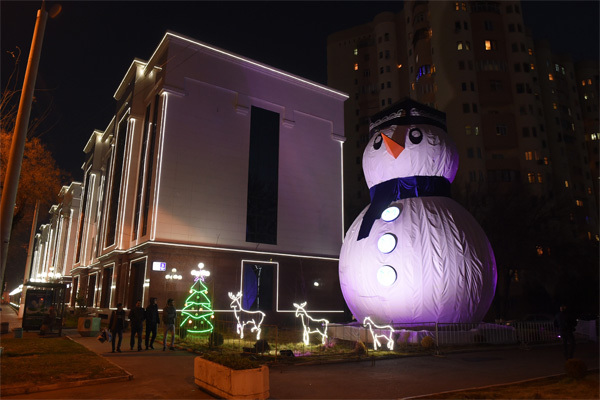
x,y
407,120
386,192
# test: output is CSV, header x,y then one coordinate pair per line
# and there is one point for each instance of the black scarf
x,y
386,192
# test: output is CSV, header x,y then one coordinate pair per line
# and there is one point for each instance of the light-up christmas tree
x,y
197,310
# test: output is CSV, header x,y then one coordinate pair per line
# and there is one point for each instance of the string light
x,y
253,316
376,343
197,310
307,320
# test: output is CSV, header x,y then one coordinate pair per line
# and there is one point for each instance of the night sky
x,y
89,46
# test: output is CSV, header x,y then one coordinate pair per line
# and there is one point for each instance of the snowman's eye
x,y
377,142
415,135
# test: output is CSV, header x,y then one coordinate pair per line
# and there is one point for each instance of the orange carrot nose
x,y
392,147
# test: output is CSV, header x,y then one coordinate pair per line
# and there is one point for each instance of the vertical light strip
x,y
108,178
68,242
86,229
342,186
112,285
159,165
129,135
144,179
59,243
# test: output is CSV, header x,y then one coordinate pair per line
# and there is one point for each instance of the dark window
x,y
103,201
150,166
140,181
106,283
464,86
115,189
136,282
263,176
466,108
258,286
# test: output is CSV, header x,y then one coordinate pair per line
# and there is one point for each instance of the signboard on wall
x,y
159,266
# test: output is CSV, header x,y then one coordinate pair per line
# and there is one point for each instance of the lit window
x,y
550,77
589,190
355,52
528,155
566,184
456,6
488,45
468,45
594,136
464,6
546,161
532,66
468,129
530,51
554,106
539,250
356,67
387,243
579,203
459,45
390,214
476,131
386,275
583,83
399,66
531,177
540,178
589,81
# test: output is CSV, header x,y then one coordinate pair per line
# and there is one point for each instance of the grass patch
x,y
560,387
44,361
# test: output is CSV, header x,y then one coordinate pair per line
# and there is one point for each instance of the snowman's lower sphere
x,y
432,263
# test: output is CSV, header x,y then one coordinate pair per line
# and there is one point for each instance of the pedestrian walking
x,y
136,317
565,322
116,326
152,320
169,316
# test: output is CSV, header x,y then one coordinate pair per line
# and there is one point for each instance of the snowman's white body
x,y
442,267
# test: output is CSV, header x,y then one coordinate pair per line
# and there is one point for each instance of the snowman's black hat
x,y
407,112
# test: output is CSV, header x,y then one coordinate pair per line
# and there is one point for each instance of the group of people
x,y
137,316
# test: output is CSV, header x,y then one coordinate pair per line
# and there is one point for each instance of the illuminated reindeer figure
x,y
307,320
239,311
376,343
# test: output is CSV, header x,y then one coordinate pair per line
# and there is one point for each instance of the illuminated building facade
x,y
214,158
475,61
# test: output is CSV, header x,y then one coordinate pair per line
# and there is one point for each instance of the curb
x,y
63,385
426,396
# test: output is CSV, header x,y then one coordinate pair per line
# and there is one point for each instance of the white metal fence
x,y
446,334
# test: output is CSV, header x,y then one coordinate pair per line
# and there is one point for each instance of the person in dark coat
x,y
152,320
169,316
566,326
116,326
136,317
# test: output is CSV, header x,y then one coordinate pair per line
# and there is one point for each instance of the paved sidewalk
x,y
169,375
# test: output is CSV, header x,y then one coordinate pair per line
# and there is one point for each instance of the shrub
x,y
360,348
262,346
215,339
575,368
233,361
427,342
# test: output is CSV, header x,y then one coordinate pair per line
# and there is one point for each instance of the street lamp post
x,y
17,147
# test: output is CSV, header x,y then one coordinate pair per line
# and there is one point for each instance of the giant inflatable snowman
x,y
414,254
